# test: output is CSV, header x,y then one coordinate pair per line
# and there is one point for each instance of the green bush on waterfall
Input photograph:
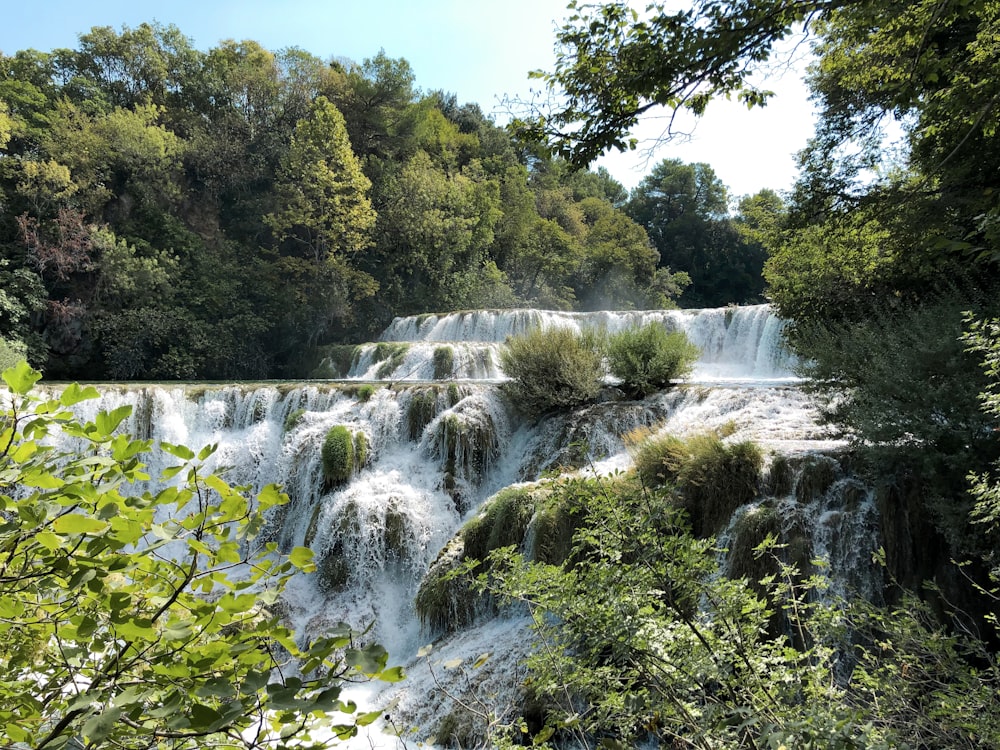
x,y
551,369
338,455
444,362
647,358
710,477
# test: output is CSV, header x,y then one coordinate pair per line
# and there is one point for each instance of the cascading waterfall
x,y
737,343
439,440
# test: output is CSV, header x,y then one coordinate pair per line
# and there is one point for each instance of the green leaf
x,y
365,719
97,728
392,674
180,451
370,660
21,378
74,394
74,523
49,540
107,422
302,558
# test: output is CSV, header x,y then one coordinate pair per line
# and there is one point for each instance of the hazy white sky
x,y
480,50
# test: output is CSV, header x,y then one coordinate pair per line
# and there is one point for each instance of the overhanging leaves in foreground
x,y
132,617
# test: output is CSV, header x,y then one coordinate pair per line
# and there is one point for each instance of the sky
x,y
480,50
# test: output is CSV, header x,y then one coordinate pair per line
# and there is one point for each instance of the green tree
x,y
321,190
133,617
324,223
434,235
613,65
684,208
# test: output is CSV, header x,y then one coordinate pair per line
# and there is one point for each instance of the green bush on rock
x,y
551,369
444,362
648,358
338,455
711,477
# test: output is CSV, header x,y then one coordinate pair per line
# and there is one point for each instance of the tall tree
x,y
324,221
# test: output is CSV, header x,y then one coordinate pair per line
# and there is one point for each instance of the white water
x,y
387,524
738,344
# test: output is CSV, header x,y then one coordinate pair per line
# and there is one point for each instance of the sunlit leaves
x,y
132,619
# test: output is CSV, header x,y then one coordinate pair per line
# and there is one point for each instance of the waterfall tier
x,y
738,344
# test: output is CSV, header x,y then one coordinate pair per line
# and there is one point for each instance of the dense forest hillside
x,y
175,213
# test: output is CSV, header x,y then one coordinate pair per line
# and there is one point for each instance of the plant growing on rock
x,y
551,369
338,455
648,358
444,362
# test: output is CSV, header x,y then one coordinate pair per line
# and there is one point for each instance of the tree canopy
x,y
176,213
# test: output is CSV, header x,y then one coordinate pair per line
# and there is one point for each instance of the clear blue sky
x,y
480,50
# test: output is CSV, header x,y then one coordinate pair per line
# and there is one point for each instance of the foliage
x,y
611,68
983,337
133,616
173,213
11,352
550,369
641,641
709,477
338,454
900,381
647,358
444,362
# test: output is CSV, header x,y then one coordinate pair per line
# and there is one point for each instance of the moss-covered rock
x,y
467,446
293,419
447,602
391,354
712,478
816,475
420,411
361,450
335,361
338,455
444,362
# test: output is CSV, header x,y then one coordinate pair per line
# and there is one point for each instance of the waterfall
x,y
738,344
439,439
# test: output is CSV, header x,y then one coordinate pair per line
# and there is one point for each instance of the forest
x,y
169,213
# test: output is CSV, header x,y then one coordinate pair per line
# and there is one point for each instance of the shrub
x,y
551,369
444,362
338,455
649,357
365,392
712,478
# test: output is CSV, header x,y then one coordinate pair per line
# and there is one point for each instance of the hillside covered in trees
x,y
175,213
